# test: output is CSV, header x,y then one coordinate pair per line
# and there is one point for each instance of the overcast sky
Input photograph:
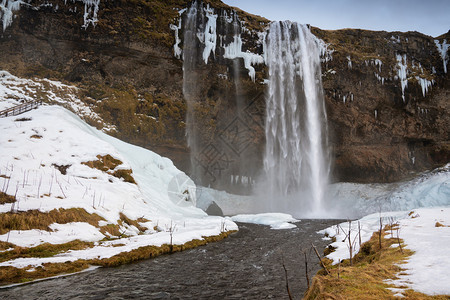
x,y
431,17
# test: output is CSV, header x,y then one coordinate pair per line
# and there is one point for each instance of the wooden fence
x,y
21,108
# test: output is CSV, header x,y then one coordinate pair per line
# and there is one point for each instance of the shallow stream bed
x,y
246,265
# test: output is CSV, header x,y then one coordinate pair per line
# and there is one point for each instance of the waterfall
x,y
296,159
190,81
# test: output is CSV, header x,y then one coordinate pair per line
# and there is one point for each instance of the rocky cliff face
x,y
387,94
388,100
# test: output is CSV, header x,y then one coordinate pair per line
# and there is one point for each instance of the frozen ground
x,y
35,143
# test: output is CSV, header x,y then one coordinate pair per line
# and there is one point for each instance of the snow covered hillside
x,y
50,159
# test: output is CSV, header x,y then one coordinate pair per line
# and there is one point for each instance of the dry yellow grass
x,y
365,279
103,163
34,219
135,223
5,198
43,250
6,245
9,275
107,163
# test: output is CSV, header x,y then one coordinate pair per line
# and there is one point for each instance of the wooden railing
x,y
21,108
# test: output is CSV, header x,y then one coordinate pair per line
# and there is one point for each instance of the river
x,y
246,265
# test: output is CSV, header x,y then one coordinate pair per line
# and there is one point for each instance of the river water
x,y
246,265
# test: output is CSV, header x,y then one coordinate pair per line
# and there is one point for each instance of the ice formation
x,y
349,62
176,47
90,12
210,35
424,84
379,78
326,54
401,72
234,50
7,9
443,50
378,63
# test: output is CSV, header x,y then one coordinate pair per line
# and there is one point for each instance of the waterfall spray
x,y
296,160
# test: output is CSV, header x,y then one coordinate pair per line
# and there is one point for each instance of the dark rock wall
x,y
128,73
376,134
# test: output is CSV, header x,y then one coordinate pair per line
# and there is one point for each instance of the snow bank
x,y
62,233
275,220
368,225
430,245
420,234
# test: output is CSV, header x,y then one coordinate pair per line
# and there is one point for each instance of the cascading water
x,y
296,159
190,61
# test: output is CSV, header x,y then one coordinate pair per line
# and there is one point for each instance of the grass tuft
x,y
43,250
125,175
6,245
10,275
135,223
5,198
35,219
107,163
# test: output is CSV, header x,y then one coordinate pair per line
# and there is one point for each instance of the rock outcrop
x,y
387,94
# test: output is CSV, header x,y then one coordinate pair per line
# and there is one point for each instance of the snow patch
x,y
274,220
